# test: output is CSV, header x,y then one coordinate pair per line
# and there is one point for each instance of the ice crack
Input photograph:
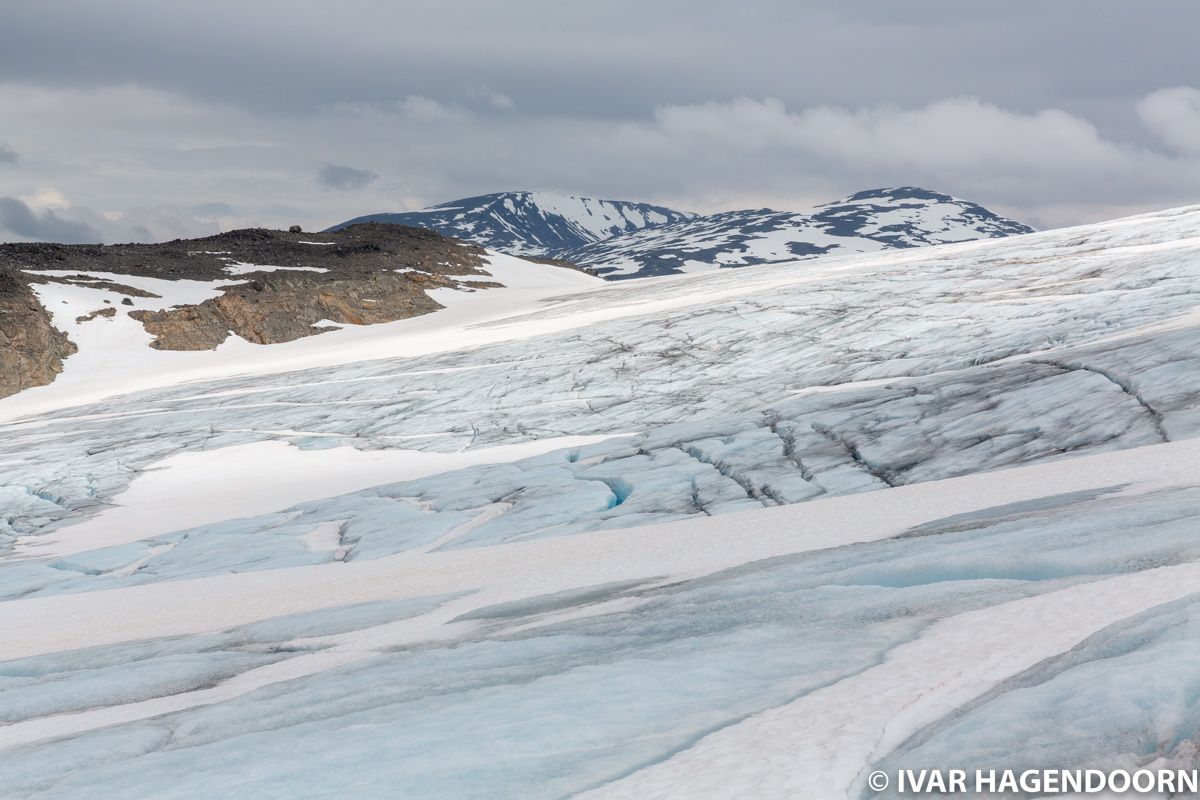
x,y
1125,386
855,455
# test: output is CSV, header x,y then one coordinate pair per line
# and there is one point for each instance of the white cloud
x,y
44,198
127,152
1049,166
954,134
490,97
1174,114
426,109
343,178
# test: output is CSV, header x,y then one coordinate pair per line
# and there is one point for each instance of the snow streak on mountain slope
x,y
531,223
864,222
520,630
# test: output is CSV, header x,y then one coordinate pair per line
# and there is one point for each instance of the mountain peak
x,y
533,223
620,239
873,219
900,193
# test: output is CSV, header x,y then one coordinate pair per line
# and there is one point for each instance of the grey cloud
x,y
8,155
81,225
46,226
212,210
334,176
613,59
490,98
694,103
1174,114
1048,168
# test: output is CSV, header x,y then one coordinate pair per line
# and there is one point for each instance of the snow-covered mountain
x,y
746,533
531,223
619,239
864,222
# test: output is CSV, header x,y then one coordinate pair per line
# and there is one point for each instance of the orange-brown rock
x,y
360,275
281,306
31,349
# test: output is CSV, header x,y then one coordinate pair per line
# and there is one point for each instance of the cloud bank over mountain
x,y
991,104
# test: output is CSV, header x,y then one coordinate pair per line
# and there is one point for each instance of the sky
x,y
139,120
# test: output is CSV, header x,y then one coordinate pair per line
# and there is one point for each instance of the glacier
x,y
656,538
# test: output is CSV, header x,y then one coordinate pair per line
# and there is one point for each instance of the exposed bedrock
x,y
280,307
280,285
31,349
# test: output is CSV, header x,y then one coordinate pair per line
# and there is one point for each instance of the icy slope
x,y
531,223
864,222
255,285
653,539
635,661
115,355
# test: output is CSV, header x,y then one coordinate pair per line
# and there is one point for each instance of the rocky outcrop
x,y
100,312
31,349
361,249
275,286
280,307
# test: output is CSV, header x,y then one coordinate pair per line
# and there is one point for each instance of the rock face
x,y
280,307
100,312
268,287
31,349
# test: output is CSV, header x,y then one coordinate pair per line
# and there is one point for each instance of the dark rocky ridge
x,y
359,286
360,249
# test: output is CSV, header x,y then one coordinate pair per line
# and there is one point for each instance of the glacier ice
x,y
797,478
